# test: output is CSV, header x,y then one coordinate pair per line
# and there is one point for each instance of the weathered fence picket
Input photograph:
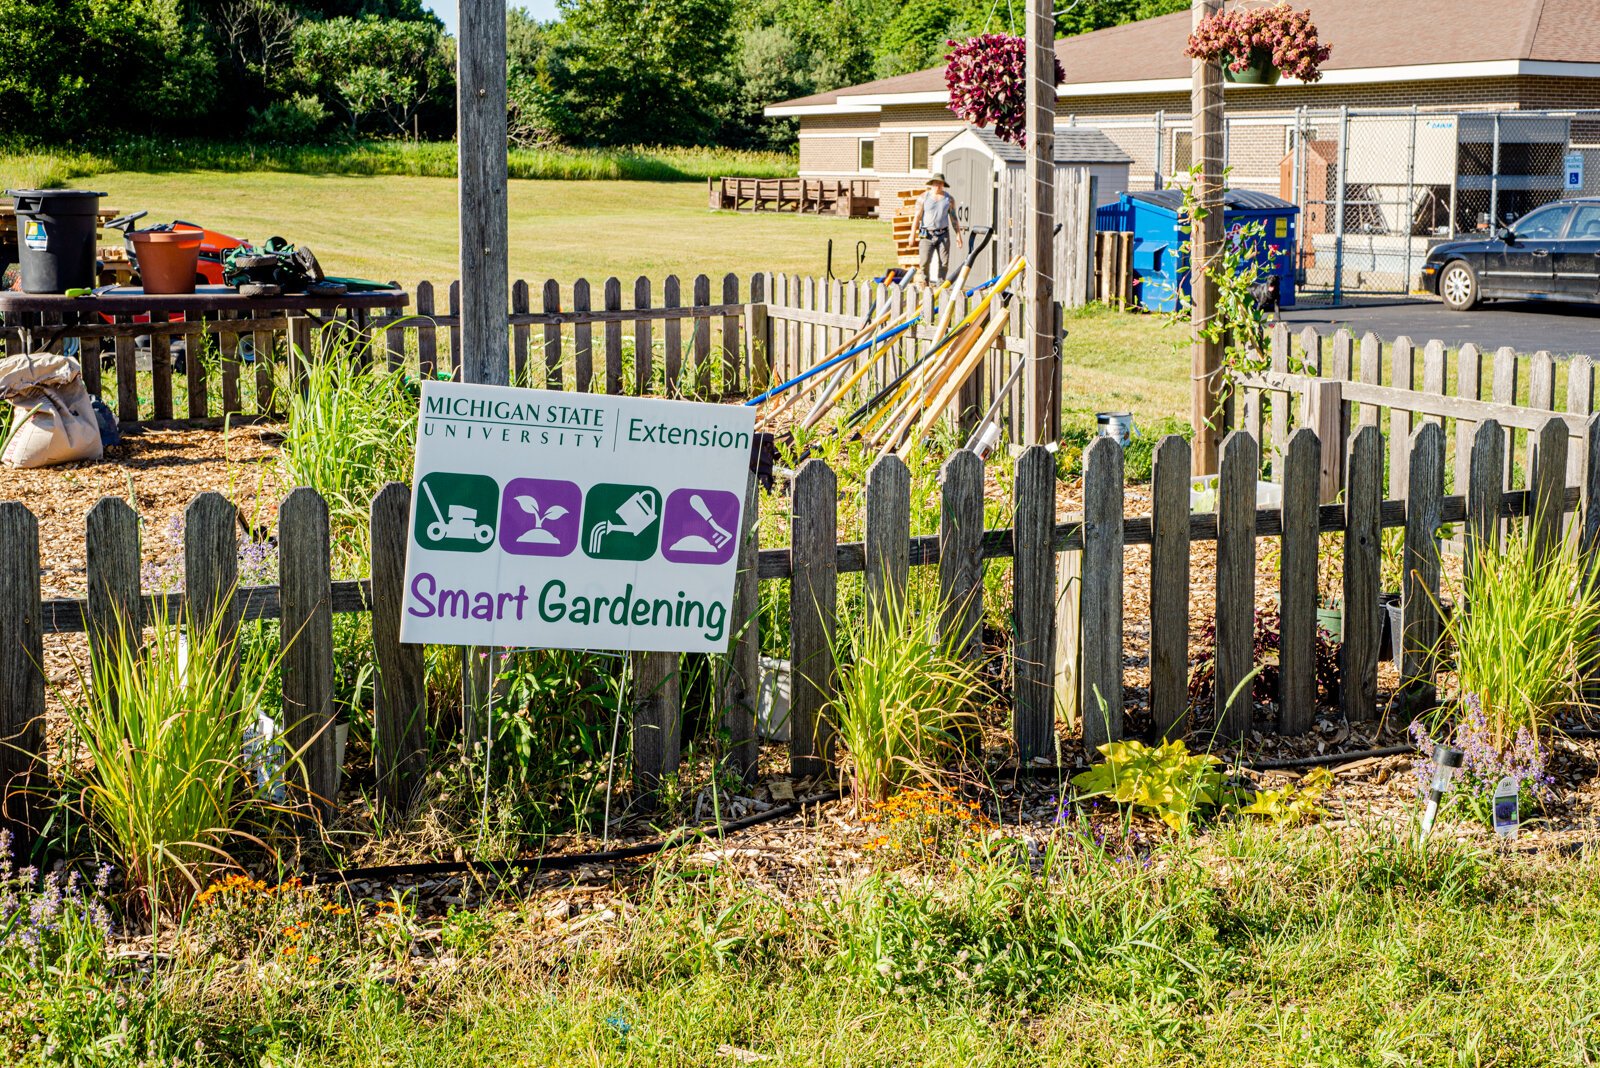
x,y
1034,604
1297,584
1361,622
813,603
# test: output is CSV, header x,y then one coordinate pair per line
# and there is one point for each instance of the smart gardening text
x,y
555,605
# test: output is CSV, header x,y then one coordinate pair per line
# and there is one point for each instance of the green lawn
x,y
405,228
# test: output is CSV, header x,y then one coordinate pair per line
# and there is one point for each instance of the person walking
x,y
936,226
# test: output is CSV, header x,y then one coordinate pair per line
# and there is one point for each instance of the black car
x,y
1551,253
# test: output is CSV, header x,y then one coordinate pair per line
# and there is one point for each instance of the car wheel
x,y
1458,285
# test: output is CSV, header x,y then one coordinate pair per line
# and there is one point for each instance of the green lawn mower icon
x,y
462,525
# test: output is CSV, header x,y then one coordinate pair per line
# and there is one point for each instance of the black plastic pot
x,y
57,231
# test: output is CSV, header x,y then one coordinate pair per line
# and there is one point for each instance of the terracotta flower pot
x,y
167,259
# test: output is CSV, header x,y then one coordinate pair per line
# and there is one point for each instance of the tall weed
x,y
350,429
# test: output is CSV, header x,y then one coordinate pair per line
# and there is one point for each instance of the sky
x,y
446,10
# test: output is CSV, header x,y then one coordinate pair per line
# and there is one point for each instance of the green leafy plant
x,y
1293,804
1166,781
905,698
165,789
1533,627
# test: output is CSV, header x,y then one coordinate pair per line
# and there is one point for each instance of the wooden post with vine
x,y
1205,242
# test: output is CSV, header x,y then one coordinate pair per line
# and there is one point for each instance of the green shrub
x,y
293,120
1167,781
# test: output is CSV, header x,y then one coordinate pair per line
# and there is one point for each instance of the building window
x,y
865,160
1182,153
919,153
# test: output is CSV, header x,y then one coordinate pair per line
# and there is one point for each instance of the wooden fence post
x,y
741,687
1589,540
1102,594
1034,604
21,672
111,548
1297,584
400,696
306,592
888,541
702,336
1547,478
551,302
731,348
1485,481
759,333
1169,588
1363,547
1324,415
1420,592
521,373
211,570
582,339
657,731
128,375
643,342
613,337
1580,401
961,552
671,335
813,601
1236,583
1401,370
1469,382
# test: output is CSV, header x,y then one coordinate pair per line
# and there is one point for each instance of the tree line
x,y
605,72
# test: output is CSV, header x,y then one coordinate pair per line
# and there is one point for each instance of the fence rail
x,y
1070,579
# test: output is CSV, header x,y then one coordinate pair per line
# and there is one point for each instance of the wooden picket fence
x,y
700,338
1069,585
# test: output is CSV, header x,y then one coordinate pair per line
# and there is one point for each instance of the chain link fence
x,y
1377,189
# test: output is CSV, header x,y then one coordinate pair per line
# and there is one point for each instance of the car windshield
x,y
1544,223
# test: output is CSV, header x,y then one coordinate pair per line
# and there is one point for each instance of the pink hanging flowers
x,y
988,83
1278,36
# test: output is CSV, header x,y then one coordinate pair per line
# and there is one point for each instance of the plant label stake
x,y
1506,816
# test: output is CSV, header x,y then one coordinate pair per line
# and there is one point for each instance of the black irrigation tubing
x,y
564,861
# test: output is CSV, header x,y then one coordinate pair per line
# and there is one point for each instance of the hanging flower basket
x,y
988,83
1258,45
1260,70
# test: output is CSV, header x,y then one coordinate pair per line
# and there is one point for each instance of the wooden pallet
x,y
905,238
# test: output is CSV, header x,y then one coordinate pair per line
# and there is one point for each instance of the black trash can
x,y
57,234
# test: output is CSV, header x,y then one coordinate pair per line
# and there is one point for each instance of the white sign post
x,y
574,521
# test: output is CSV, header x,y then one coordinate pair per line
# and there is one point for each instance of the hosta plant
x,y
1277,36
988,83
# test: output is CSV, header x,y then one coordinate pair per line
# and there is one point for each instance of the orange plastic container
x,y
168,259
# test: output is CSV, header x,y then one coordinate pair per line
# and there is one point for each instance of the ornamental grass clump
x,y
1530,628
165,791
906,700
1277,36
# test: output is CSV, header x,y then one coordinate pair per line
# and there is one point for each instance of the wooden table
x,y
41,320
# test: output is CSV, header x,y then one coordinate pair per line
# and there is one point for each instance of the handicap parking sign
x,y
1574,169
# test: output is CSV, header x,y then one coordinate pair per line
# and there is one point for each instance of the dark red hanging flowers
x,y
1276,36
988,83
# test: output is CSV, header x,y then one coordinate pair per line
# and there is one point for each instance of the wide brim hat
x,y
936,178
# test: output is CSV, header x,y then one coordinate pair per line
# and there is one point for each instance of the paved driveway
x,y
1527,326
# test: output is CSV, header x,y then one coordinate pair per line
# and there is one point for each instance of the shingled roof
x,y
1365,34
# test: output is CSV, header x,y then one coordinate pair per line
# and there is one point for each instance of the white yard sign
x,y
574,521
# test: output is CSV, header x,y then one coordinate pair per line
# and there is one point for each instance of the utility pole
x,y
485,297
1205,247
1042,404
481,155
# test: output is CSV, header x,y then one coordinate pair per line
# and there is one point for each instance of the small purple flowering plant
x,y
1484,763
258,562
44,915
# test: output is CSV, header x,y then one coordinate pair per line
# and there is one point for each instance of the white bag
x,y
54,421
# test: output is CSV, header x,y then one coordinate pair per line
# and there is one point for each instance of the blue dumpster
x,y
1159,261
